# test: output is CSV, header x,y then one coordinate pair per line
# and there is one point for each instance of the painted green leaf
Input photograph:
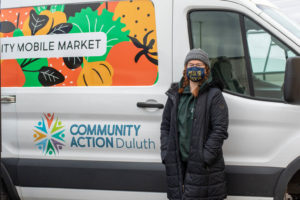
x,y
156,78
89,21
18,33
39,9
31,69
32,79
55,8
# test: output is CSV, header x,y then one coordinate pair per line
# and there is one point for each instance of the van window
x,y
91,44
219,34
268,58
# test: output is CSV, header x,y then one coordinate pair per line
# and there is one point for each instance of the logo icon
x,y
49,135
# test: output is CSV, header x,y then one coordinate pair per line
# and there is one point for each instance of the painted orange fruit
x,y
11,74
128,69
95,74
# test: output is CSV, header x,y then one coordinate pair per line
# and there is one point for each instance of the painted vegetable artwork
x,y
131,45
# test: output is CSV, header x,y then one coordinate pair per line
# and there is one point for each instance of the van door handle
x,y
149,105
8,99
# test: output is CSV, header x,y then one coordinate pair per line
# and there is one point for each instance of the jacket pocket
x,y
208,157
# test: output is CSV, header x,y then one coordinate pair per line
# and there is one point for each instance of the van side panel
x,y
86,109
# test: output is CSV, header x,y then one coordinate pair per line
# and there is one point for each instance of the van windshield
x,y
281,19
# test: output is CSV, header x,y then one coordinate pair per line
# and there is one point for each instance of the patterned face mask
x,y
195,74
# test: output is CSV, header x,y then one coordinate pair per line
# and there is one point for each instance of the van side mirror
x,y
291,90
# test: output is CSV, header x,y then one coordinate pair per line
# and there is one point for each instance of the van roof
x,y
254,2
22,3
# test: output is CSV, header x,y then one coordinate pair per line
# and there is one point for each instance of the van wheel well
x,y
294,185
287,180
7,184
3,191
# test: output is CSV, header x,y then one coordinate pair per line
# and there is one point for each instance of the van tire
x,y
291,197
296,197
3,192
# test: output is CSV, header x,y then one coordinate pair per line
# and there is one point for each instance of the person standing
x,y
193,127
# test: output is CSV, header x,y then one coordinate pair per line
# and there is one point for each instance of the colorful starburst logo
x,y
48,135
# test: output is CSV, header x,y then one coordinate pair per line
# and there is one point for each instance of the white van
x,y
83,88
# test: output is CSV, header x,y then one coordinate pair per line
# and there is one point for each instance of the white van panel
x,y
95,105
262,133
9,130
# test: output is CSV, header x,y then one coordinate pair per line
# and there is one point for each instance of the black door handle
x,y
149,105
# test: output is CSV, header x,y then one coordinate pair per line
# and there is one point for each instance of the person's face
x,y
196,63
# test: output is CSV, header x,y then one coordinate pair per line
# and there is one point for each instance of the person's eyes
x,y
192,65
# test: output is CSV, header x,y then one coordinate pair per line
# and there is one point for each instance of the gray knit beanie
x,y
197,54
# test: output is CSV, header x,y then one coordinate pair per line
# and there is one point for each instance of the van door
x,y
248,56
90,93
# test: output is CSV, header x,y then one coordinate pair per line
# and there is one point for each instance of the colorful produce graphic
x,y
49,135
139,20
131,45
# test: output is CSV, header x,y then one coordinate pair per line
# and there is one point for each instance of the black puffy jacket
x,y
205,173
